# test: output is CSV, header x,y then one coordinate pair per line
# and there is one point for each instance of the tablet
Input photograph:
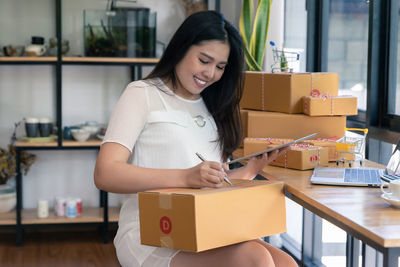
x,y
271,149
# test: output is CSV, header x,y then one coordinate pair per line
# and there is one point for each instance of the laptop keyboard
x,y
367,176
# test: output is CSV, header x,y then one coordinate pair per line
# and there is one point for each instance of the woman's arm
x,y
113,174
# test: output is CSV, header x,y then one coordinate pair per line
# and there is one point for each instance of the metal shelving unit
x,y
102,215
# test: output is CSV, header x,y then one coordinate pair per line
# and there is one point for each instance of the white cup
x,y
394,187
31,127
43,209
35,50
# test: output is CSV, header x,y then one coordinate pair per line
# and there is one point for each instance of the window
x,y
295,40
394,94
295,35
348,47
359,40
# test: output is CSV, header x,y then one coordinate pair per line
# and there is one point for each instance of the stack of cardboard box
x,y
293,105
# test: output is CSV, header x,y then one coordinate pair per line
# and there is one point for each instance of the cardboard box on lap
x,y
202,219
282,125
330,105
283,92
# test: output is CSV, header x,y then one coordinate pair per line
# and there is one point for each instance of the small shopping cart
x,y
282,59
350,149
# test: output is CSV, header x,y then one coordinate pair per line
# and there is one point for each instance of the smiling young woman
x,y
189,103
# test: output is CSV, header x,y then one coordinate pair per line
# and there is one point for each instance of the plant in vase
x,y
193,6
8,170
254,30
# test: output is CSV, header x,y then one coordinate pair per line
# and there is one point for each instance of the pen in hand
x,y
203,159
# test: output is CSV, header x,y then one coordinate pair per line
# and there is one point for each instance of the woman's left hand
x,y
256,164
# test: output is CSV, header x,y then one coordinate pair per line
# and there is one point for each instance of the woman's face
x,y
202,66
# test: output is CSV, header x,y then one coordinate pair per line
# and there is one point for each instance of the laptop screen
x,y
393,165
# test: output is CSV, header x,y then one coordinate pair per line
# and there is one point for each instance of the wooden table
x,y
357,210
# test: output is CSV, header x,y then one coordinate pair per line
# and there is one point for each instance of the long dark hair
x,y
222,97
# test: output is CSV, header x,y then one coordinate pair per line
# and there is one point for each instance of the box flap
x,y
237,184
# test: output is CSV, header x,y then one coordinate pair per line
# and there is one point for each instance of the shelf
x,y
113,214
79,60
90,142
109,60
8,218
38,144
30,60
89,215
94,215
65,143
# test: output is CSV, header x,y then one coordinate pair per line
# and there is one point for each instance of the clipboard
x,y
271,149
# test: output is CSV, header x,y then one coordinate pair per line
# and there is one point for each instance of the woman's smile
x,y
199,82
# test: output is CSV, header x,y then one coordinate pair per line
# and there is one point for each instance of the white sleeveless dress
x,y
162,130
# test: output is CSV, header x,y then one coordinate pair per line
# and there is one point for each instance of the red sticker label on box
x,y
165,225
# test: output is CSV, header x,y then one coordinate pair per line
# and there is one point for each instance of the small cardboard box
x,y
303,157
253,145
329,143
283,92
330,105
202,219
282,125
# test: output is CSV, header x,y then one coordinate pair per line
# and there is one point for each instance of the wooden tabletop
x,y
359,211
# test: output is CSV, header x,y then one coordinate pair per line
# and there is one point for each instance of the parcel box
x,y
302,157
282,125
334,149
329,143
283,92
330,105
253,145
202,219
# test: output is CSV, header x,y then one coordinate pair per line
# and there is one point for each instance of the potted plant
x,y
8,170
254,30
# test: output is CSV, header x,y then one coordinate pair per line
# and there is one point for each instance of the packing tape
x,y
319,155
306,107
165,201
166,241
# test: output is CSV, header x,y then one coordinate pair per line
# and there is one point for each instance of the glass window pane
x,y
295,41
348,46
295,36
394,102
334,245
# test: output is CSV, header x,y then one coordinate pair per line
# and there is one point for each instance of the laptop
x,y
371,177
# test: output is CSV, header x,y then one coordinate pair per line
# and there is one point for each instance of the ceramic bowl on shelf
x,y
92,129
80,135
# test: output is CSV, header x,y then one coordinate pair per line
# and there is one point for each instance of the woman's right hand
x,y
205,174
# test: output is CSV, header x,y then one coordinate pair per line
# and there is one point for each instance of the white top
x,y
162,130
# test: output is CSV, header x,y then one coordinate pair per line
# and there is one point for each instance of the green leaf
x,y
260,30
250,61
246,21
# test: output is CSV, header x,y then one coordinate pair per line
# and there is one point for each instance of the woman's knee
x,y
253,254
